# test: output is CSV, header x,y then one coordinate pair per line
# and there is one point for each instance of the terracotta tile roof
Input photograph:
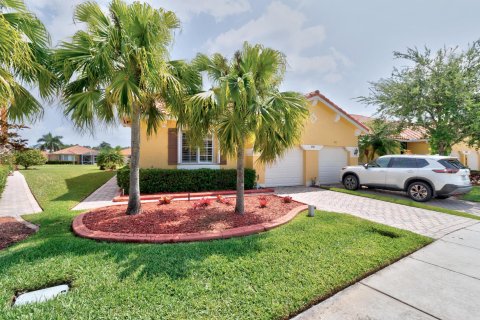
x,y
126,152
76,150
407,134
346,114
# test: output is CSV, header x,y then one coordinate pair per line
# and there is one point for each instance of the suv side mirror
x,y
365,165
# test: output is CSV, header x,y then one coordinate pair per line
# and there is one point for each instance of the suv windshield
x,y
379,163
451,164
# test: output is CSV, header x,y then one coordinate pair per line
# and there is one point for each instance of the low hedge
x,y
4,171
59,162
184,180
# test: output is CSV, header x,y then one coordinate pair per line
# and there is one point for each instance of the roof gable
x,y
316,96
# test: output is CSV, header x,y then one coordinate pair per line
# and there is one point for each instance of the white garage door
x,y
472,160
330,162
286,171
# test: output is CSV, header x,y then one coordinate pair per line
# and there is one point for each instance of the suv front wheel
x,y
419,191
350,182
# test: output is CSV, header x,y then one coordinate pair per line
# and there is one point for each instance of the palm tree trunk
x,y
240,203
134,205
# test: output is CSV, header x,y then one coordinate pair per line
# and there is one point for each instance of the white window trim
x,y
198,162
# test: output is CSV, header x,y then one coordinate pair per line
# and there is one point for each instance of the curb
x,y
157,196
82,231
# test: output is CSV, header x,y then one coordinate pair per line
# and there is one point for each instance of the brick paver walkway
x,y
452,203
102,197
17,199
429,223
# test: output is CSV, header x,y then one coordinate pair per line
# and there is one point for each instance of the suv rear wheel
x,y
350,182
419,191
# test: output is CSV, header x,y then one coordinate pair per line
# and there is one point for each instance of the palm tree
x,y
380,140
50,142
245,104
118,68
24,59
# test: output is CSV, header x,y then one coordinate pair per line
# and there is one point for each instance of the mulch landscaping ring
x,y
185,220
12,231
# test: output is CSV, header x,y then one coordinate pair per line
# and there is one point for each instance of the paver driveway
x,y
429,223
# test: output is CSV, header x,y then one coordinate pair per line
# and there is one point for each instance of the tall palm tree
x,y
118,68
245,104
24,59
380,140
50,142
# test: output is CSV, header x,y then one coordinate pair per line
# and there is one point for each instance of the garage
x,y
330,162
286,171
472,161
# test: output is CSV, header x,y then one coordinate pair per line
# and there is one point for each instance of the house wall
x,y
154,149
420,147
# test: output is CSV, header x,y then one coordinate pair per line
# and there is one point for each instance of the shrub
x,y
28,158
262,202
287,199
183,180
58,162
164,200
4,171
110,159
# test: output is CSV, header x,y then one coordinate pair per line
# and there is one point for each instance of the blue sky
x,y
336,47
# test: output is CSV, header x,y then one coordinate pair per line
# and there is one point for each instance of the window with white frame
x,y
203,154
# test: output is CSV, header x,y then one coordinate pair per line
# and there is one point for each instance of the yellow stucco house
x,y
329,142
415,141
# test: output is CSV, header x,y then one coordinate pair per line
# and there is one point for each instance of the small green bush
x,y
59,162
28,158
4,171
110,159
183,180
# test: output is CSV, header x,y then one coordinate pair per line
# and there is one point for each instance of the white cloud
x,y
286,29
219,9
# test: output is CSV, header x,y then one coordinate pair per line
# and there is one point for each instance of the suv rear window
x,y
451,164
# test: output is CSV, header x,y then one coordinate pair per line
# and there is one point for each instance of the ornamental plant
x,y
287,199
164,200
263,202
28,158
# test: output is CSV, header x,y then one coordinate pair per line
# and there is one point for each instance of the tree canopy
x,y
118,67
245,105
438,91
49,142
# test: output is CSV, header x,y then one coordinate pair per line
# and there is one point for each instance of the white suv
x,y
422,177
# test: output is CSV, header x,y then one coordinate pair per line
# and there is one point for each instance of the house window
x,y
203,154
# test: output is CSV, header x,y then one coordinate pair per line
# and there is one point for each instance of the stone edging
x,y
82,231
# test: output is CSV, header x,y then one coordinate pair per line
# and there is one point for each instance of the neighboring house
x,y
415,141
75,154
127,154
328,143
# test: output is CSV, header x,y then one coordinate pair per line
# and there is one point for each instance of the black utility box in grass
x,y
184,180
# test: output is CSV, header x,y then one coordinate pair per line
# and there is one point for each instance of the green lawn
x,y
473,195
265,276
407,202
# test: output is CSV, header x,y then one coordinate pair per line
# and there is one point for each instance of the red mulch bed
x,y
181,217
12,231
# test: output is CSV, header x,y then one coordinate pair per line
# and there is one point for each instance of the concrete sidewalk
x,y
17,199
440,281
101,197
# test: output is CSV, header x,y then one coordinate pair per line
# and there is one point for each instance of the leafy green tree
x,y
380,140
103,145
246,104
49,142
24,59
28,158
110,159
119,68
437,91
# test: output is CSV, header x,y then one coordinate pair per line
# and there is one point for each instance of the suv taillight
x,y
446,170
